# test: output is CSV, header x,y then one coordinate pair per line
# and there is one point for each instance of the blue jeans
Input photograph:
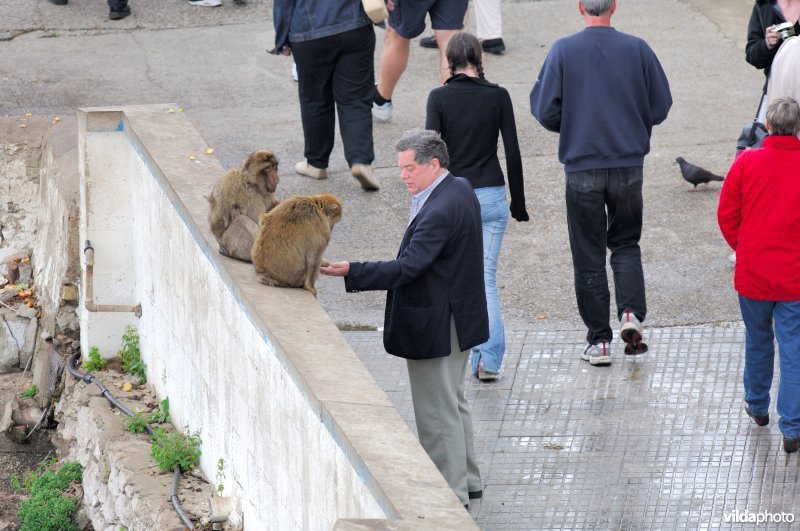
x,y
759,359
494,218
604,210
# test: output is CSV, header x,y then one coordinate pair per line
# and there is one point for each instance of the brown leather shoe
x,y
759,420
791,445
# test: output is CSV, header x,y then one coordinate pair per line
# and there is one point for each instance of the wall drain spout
x,y
91,306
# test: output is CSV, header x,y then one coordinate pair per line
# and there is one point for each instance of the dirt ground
x,y
16,459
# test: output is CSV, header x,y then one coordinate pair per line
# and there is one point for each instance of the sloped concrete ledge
x,y
376,462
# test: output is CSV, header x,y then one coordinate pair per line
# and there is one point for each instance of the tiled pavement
x,y
658,441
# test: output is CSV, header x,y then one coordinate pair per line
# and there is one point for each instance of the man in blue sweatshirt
x,y
603,91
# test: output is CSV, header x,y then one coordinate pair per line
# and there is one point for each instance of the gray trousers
x,y
443,419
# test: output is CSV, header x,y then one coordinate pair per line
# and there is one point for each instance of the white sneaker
x,y
597,354
632,333
382,113
364,173
206,3
294,71
307,170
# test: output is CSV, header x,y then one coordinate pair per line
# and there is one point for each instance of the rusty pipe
x,y
91,306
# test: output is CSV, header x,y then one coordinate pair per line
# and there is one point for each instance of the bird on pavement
x,y
695,174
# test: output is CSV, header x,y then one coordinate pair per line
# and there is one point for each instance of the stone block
x,y
8,293
25,312
47,365
12,333
29,342
25,273
67,319
69,293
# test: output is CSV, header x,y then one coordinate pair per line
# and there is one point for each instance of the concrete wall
x,y
261,373
56,247
20,147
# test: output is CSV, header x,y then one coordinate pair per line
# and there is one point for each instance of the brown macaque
x,y
292,239
238,199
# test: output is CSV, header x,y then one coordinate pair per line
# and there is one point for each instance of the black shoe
x,y
59,2
429,42
759,420
494,46
476,495
791,445
117,15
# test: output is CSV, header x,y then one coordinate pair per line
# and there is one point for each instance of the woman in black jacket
x,y
470,114
762,39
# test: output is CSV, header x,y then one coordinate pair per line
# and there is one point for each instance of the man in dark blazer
x,y
436,303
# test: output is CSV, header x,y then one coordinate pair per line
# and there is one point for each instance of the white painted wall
x,y
204,350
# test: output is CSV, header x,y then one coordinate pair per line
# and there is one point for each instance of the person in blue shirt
x,y
603,91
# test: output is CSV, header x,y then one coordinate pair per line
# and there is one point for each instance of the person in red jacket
x,y
759,215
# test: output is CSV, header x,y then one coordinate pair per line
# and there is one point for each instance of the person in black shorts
x,y
407,21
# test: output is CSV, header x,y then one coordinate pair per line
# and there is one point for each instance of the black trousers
x,y
337,70
604,210
117,5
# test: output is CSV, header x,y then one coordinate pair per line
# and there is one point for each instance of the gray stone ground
x,y
654,443
212,63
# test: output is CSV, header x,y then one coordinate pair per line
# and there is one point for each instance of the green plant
x,y
161,415
129,356
176,448
30,392
220,476
15,483
137,423
49,508
95,362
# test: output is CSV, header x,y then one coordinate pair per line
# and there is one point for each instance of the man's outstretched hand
x,y
336,269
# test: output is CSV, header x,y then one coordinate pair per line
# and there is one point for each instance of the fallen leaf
x,y
127,387
192,157
56,119
171,110
23,126
180,109
209,151
541,317
24,260
28,115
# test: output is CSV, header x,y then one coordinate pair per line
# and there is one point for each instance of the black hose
x,y
176,474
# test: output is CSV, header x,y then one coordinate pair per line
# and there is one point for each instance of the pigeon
x,y
695,174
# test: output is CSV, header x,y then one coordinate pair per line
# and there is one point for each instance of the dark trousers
x,y
604,209
117,5
337,69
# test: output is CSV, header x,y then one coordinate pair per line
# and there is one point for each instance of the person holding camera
x,y
603,91
759,218
771,23
763,35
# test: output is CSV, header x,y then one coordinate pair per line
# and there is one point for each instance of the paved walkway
x,y
654,442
